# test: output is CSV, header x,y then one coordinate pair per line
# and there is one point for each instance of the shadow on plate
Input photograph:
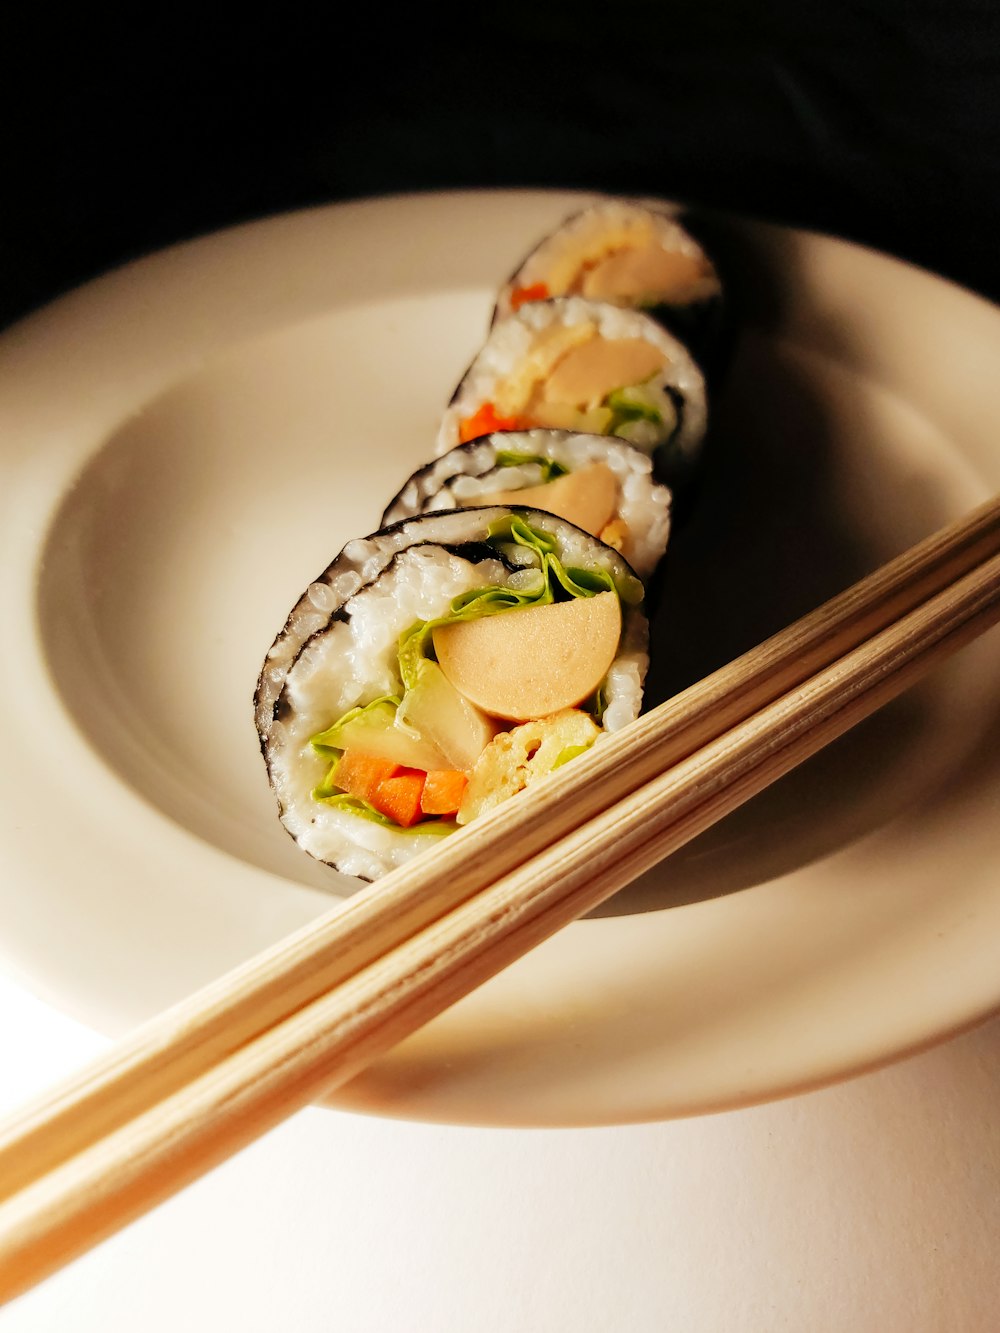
x,y
786,518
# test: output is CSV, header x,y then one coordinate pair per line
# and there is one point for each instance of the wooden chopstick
x,y
223,1016
112,1143
169,1052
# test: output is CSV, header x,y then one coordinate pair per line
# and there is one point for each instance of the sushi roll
x,y
632,254
601,483
578,365
439,667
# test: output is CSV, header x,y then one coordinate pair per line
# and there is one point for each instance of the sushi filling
x,y
599,483
619,253
583,366
484,709
642,273
372,666
590,497
575,378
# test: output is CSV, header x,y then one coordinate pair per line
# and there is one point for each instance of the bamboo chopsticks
x,y
219,1069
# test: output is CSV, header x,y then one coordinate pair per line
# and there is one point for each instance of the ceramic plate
x,y
187,442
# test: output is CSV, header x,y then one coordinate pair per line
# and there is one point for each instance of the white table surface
x,y
872,1205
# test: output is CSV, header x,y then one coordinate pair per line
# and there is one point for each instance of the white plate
x,y
186,442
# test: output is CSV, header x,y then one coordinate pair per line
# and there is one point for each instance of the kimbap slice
x,y
601,483
583,366
628,253
437,668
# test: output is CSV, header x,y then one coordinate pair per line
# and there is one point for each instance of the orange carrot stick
x,y
398,797
443,791
536,291
362,775
485,421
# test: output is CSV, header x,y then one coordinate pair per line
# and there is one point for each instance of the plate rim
x,y
110,291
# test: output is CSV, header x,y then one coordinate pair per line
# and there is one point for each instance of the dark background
x,y
880,122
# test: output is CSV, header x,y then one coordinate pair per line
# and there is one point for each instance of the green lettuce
x,y
551,470
381,711
630,405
